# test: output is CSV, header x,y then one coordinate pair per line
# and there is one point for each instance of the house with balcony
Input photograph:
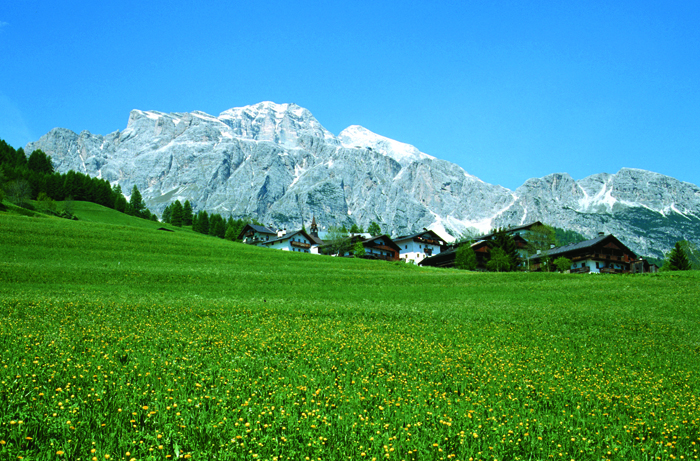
x,y
252,234
416,247
298,241
378,247
604,254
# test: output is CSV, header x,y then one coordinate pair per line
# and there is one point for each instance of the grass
x,y
120,342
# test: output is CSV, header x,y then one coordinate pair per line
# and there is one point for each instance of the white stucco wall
x,y
592,265
415,251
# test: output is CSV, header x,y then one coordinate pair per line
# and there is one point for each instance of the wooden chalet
x,y
253,234
604,254
446,258
378,247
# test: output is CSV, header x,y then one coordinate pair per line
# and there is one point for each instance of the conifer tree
x,y
187,214
136,204
176,216
40,162
465,258
167,214
677,259
374,229
507,244
500,261
202,222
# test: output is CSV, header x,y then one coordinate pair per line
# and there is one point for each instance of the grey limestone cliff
x,y
277,163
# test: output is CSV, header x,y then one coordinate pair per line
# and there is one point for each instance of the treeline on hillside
x,y
25,178
214,224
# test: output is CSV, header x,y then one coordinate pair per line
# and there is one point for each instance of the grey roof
x,y
577,246
418,234
288,236
511,229
262,229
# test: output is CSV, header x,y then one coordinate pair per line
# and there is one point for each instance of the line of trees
x,y
25,178
181,215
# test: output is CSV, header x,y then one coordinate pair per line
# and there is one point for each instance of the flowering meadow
x,y
118,343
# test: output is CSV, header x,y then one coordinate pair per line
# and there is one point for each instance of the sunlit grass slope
x,y
92,212
134,343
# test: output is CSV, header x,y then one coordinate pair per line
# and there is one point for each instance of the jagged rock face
x,y
277,163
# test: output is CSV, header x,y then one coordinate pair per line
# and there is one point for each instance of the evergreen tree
x,y
187,214
465,258
136,204
40,162
693,254
500,261
374,229
507,244
217,226
120,203
230,233
358,249
167,214
202,222
176,217
355,229
677,259
20,160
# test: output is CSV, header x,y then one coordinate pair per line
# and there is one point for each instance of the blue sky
x,y
507,90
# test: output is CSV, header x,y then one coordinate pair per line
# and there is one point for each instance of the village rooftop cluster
x,y
604,254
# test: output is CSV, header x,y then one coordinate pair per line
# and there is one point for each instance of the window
x,y
406,247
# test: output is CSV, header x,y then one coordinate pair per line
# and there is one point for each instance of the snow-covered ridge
x,y
356,136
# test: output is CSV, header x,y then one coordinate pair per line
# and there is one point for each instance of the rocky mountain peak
x,y
277,163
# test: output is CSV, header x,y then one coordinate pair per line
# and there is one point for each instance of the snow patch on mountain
x,y
358,137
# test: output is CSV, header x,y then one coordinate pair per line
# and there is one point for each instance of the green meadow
x,y
119,341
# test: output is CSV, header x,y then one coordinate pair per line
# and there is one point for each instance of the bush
x,y
563,264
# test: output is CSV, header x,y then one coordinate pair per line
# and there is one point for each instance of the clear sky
x,y
508,90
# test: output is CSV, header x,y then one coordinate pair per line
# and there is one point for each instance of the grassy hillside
x,y
144,344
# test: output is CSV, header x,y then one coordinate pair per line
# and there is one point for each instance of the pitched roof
x,y
262,229
418,234
512,229
289,236
580,246
387,240
255,228
316,240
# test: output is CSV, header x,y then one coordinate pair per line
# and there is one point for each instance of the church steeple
x,y
314,227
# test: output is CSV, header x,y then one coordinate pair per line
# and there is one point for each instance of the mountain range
x,y
277,163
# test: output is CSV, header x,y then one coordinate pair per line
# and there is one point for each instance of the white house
x,y
416,247
298,241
